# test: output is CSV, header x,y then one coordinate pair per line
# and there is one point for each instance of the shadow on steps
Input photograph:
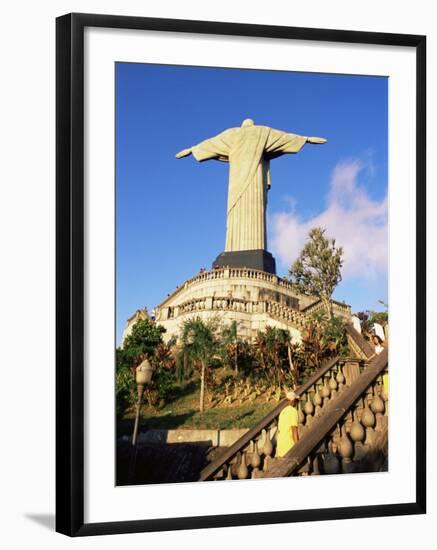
x,y
160,462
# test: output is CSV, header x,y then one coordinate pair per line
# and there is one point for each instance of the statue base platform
x,y
253,298
250,259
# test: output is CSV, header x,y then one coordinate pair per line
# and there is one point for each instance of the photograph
x,y
215,222
251,293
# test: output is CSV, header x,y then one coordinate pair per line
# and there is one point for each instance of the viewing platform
x,y
251,297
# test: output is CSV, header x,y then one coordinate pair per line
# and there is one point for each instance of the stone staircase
x,y
300,319
342,427
287,315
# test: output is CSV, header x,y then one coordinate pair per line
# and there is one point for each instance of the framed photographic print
x,y
224,329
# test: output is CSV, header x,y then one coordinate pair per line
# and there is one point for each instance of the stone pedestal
x,y
252,259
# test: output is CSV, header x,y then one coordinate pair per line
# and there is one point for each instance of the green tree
x,y
125,388
199,343
145,338
322,339
164,377
317,271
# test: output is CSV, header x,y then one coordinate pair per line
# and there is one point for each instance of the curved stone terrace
x,y
254,274
230,273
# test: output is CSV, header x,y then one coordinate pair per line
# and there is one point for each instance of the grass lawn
x,y
183,412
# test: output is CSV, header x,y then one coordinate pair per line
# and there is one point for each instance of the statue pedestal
x,y
251,259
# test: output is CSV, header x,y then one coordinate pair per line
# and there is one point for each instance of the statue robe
x,y
248,151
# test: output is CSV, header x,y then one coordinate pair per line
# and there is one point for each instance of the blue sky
x,y
171,214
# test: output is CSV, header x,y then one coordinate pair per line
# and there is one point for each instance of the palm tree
x,y
261,352
272,349
231,342
276,343
199,345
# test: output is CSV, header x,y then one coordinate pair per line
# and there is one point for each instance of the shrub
x,y
145,339
125,390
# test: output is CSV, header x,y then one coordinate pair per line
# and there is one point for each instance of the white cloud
x,y
357,222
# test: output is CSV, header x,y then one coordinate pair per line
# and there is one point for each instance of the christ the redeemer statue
x,y
248,150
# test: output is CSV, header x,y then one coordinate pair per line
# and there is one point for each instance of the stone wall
x,y
251,297
248,284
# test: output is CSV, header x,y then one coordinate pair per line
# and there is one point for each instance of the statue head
x,y
247,122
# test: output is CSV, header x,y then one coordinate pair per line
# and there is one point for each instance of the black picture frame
x,y
70,273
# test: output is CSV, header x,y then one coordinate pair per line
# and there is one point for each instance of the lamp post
x,y
143,377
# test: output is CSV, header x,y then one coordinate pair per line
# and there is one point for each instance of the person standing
x,y
287,426
379,347
377,342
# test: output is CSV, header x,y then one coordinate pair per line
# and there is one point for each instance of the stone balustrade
x,y
341,424
276,310
345,449
253,453
252,297
286,314
281,307
350,435
358,344
231,273
338,307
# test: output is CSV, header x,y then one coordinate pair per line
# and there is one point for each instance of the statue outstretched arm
x,y
216,148
316,140
184,153
280,143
